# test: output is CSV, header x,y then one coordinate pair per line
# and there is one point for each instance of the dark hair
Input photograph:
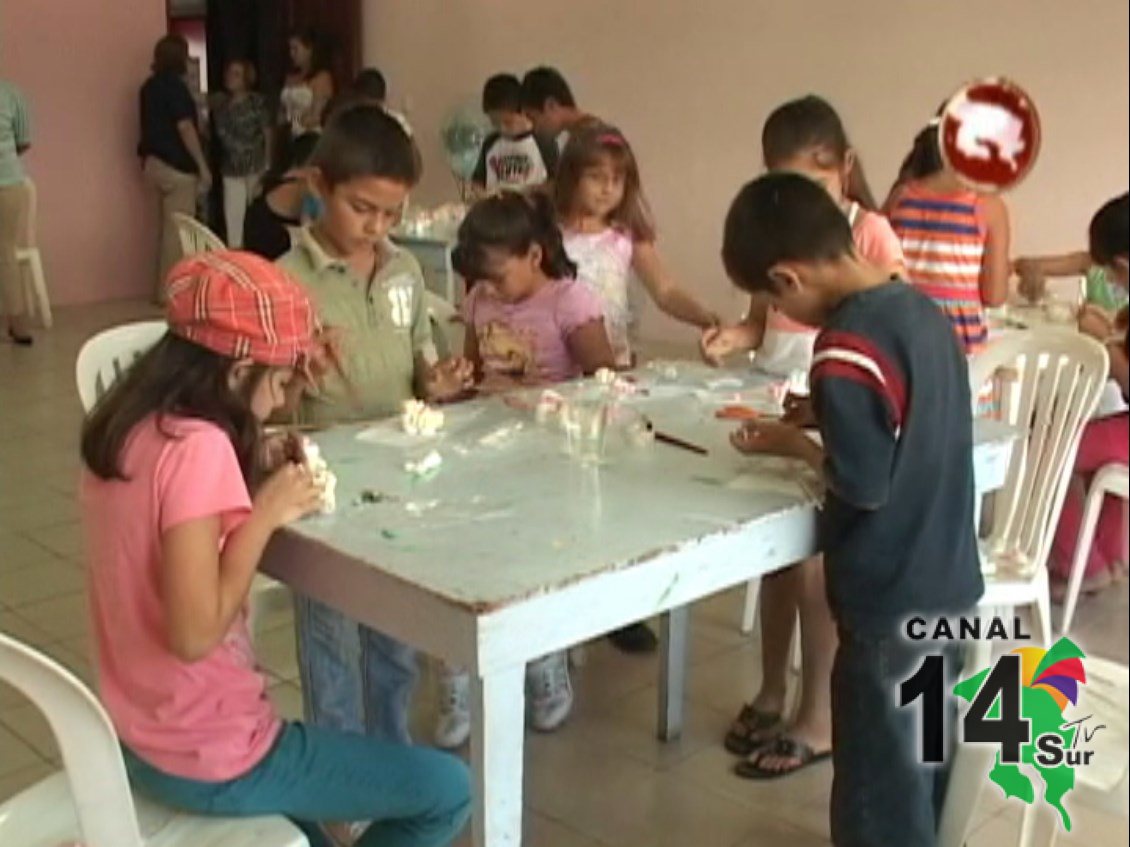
x,y
811,123
170,54
502,93
176,377
591,143
319,50
364,140
781,217
1109,233
925,156
543,84
301,149
370,83
511,223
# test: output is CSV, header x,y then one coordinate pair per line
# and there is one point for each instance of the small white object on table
x,y
513,550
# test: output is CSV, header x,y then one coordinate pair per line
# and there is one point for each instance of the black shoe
x,y
634,638
22,340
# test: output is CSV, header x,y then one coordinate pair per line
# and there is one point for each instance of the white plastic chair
x,y
101,361
1112,480
195,237
1056,379
90,802
1103,784
446,329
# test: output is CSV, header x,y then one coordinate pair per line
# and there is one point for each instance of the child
x,y
372,294
285,199
178,508
803,136
243,127
548,102
609,233
956,241
512,156
529,322
890,392
1105,440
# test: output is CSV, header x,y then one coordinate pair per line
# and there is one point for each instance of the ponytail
x,y
510,223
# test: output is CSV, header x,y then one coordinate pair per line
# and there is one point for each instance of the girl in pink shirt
x,y
805,136
178,504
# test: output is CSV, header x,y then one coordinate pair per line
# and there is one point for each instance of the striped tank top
x,y
943,240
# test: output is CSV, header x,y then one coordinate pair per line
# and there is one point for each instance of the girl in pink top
x,y
179,501
805,136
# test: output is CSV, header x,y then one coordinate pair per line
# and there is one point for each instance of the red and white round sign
x,y
989,134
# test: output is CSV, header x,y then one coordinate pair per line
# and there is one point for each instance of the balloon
x,y
462,134
989,134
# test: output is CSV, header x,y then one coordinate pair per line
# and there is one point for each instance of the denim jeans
x,y
415,796
881,793
354,679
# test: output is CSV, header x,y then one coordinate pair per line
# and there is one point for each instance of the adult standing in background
x,y
173,158
309,85
15,207
243,127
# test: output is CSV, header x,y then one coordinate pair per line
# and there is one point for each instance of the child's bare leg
x,y
778,598
812,726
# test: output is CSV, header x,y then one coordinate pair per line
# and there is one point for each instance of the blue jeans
x,y
881,793
354,679
415,796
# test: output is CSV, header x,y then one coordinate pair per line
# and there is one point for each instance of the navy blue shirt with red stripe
x,y
890,389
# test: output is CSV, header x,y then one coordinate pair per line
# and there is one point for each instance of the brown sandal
x,y
747,732
783,747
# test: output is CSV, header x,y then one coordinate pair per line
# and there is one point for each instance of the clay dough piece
x,y
418,418
324,478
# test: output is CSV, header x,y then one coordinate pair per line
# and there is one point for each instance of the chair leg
x,y
1091,510
36,286
1044,607
794,691
749,610
1038,826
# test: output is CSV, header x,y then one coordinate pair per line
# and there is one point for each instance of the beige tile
x,y
726,681
15,753
64,540
18,552
774,832
43,581
62,617
1090,828
287,699
13,624
16,781
277,652
28,724
541,831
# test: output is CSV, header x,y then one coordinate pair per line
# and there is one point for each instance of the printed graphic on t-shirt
x,y
400,301
513,163
506,350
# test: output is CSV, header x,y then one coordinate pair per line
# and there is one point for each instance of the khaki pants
x,y
15,234
176,192
239,191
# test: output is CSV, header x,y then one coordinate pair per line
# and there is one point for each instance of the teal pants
x,y
415,796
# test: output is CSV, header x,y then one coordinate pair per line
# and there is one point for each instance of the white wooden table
x,y
514,550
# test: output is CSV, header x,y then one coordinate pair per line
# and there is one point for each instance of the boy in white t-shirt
x,y
512,156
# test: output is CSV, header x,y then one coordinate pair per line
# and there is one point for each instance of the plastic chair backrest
x,y
106,356
195,237
91,756
446,333
1051,385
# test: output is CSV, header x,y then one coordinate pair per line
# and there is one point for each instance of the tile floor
x,y
602,781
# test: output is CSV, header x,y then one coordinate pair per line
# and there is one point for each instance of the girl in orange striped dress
x,y
955,241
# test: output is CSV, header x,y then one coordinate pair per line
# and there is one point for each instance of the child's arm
x,y
202,588
1065,264
995,265
666,293
590,348
721,341
1119,365
471,351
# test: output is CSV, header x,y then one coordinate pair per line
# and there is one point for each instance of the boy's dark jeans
x,y
881,795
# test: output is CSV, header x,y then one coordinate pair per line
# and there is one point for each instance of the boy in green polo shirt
x,y
372,294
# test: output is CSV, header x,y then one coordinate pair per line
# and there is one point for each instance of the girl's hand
x,y
718,342
798,412
1094,322
1033,283
770,439
280,448
449,379
288,494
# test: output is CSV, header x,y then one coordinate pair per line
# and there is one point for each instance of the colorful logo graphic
x,y
1021,704
989,134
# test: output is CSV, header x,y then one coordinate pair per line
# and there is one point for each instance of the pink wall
x,y
80,65
692,82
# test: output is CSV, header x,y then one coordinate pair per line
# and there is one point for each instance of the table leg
x,y
672,672
498,726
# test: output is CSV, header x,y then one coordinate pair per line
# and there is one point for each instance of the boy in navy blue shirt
x,y
890,393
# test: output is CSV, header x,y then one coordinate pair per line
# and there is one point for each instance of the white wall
x,y
691,83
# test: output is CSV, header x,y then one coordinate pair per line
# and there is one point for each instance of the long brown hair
x,y
175,378
592,143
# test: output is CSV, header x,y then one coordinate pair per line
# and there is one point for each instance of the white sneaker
x,y
453,725
550,691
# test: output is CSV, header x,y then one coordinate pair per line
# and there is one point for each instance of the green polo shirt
x,y
15,133
384,323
